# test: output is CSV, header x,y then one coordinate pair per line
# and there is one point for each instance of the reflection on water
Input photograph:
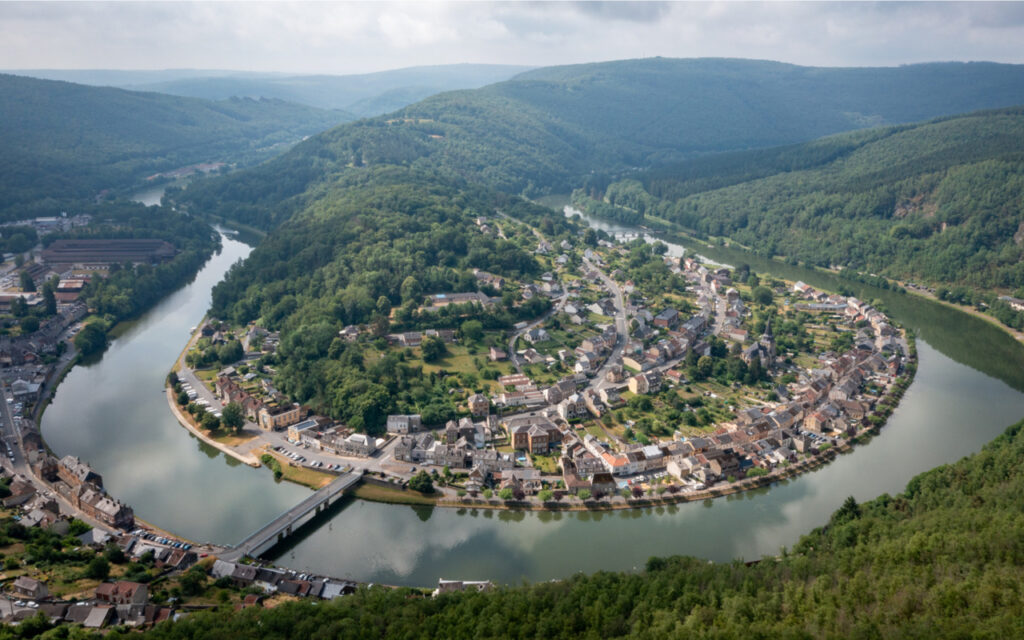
x,y
113,414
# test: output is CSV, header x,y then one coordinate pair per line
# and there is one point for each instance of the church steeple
x,y
767,341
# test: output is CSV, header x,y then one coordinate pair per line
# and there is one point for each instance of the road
x,y
622,331
515,336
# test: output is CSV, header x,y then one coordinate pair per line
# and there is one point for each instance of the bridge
x,y
283,525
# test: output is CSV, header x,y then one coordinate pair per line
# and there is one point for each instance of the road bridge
x,y
278,529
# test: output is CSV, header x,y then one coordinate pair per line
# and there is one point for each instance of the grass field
x,y
377,493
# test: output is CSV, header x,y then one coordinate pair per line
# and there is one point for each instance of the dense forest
x,y
369,253
940,202
65,142
941,560
551,129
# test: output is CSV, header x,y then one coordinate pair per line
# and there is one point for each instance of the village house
x,y
403,424
122,592
479,404
496,355
30,588
645,383
273,418
75,473
573,407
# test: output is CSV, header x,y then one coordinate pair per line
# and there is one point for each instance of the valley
x,y
694,373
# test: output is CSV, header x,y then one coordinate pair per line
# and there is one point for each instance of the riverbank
x,y
184,420
969,310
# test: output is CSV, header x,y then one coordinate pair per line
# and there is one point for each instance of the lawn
x,y
458,360
546,464
301,475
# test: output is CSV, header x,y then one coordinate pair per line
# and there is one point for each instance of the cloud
x,y
352,37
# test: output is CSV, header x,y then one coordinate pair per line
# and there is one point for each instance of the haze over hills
x,y
548,130
65,141
366,94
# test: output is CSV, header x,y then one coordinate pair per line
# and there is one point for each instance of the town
x,y
624,390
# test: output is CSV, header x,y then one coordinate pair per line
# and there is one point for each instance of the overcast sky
x,y
348,37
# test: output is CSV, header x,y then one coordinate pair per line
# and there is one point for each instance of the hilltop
x,y
550,130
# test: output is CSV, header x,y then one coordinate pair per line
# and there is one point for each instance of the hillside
x,y
941,560
63,141
549,129
939,201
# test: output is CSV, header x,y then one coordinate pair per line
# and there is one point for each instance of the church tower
x,y
767,341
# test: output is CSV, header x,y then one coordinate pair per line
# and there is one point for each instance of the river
x,y
112,414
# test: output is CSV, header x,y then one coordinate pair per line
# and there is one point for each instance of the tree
x,y
114,554
193,581
49,299
182,398
232,416
584,494
98,568
19,308
433,349
411,291
472,330
705,366
27,283
506,494
545,495
384,306
762,295
210,422
90,339
29,324
230,352
422,482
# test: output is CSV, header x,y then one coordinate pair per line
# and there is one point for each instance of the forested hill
x,y
61,141
941,201
942,560
548,129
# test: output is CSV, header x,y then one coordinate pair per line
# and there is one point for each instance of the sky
x,y
359,37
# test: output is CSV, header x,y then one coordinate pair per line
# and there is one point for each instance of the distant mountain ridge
x,y
552,129
60,140
366,94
